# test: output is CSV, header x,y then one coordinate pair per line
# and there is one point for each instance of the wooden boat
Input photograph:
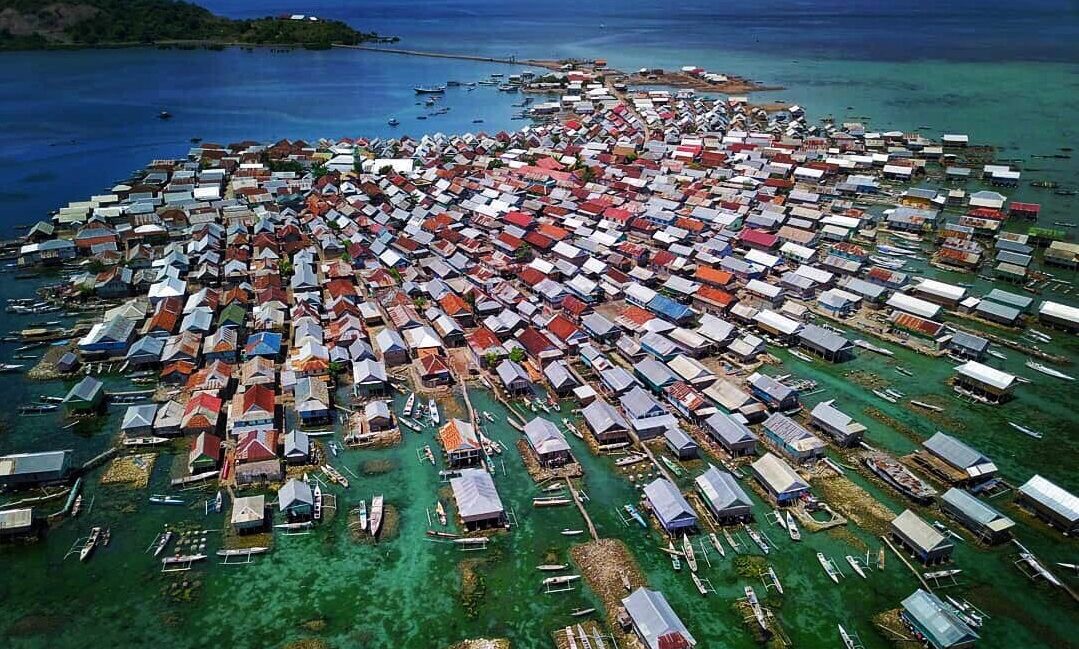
x,y
410,424
635,514
442,535
717,544
730,540
775,580
900,478
855,566
334,448
927,406
1048,371
162,542
37,408
755,606
632,458
429,90
440,511
144,441
377,505
570,639
90,544
361,510
698,583
409,403
675,469
578,612
552,567
757,538
792,528
334,475
826,563
687,548
76,506
432,409
995,354
472,540
302,525
162,499
676,563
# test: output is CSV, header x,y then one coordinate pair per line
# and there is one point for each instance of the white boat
x,y
409,403
243,552
472,540
361,510
632,458
585,642
801,355
865,344
90,544
792,528
1027,431
334,475
698,583
848,641
162,499
568,532
855,566
755,606
377,506
560,579
883,395
826,563
183,558
761,543
302,525
432,409
775,580
144,441
162,542
571,640
1048,371
996,354
552,567
717,544
942,574
687,549
317,493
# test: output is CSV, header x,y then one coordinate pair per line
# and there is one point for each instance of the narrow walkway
x,y
584,512
907,563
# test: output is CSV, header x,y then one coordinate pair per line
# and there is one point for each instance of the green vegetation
x,y
30,24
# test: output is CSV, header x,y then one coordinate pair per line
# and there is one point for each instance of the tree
x,y
420,301
490,358
284,266
336,367
523,252
517,354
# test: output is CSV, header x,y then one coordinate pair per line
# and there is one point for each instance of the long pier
x,y
450,55
584,512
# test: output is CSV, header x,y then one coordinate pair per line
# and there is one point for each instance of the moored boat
x,y
687,549
163,499
717,544
377,507
856,566
900,478
792,528
432,409
829,568
90,544
1048,371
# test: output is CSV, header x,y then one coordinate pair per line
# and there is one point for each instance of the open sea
x,y
74,123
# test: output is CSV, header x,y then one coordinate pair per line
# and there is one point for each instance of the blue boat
x,y
636,515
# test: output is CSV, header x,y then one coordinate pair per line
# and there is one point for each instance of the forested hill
x,y
39,24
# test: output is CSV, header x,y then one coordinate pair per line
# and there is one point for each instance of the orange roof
x,y
715,295
452,439
636,315
713,276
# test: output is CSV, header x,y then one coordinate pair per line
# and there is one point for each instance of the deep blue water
x,y
76,122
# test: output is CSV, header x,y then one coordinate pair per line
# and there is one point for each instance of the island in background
x,y
28,25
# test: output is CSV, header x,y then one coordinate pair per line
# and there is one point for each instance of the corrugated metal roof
x,y
1050,495
936,620
667,502
721,490
654,618
476,495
